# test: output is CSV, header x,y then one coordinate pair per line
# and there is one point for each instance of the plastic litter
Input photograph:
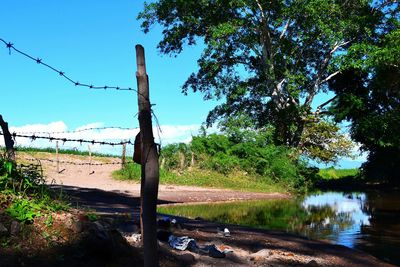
x,y
180,243
225,232
186,243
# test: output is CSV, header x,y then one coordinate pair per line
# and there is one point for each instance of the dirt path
x,y
99,177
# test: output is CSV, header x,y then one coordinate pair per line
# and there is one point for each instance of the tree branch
x,y
329,77
323,66
284,29
324,104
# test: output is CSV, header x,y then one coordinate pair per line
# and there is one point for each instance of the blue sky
x,y
92,42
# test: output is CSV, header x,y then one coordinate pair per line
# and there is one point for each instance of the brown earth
x,y
251,247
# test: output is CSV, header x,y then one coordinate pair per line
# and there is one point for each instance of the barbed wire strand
x,y
79,131
159,130
10,46
75,163
34,137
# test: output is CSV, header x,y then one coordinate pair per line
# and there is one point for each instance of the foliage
x,y
27,195
368,95
129,172
176,156
267,59
24,210
236,153
323,141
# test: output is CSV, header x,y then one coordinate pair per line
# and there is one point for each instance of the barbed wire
x,y
34,137
10,46
75,163
79,131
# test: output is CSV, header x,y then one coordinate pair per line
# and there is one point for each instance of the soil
x,y
118,201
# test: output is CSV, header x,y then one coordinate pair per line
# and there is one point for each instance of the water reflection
x,y
344,221
368,221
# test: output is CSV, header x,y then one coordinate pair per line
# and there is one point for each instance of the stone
x,y
260,255
14,229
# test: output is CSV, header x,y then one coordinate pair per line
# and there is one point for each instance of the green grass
x,y
204,178
24,194
331,173
62,151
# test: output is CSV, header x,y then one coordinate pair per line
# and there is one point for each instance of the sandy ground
x,y
251,247
99,177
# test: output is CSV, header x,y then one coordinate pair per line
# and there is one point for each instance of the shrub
x,y
27,194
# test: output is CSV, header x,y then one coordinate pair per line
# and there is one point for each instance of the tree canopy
x,y
268,59
368,95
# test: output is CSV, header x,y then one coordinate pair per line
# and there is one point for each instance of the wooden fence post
x,y
123,158
10,153
149,163
90,161
58,159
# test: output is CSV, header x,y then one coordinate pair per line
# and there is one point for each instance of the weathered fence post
x,y
58,159
123,157
90,161
10,153
149,163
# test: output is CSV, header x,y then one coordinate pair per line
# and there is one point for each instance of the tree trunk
x,y
10,153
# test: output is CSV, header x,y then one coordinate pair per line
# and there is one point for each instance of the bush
x,y
131,171
246,151
27,196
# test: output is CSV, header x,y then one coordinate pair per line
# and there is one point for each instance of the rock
x,y
14,229
312,263
260,255
3,230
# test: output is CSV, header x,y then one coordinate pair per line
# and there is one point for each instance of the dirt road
x,y
100,178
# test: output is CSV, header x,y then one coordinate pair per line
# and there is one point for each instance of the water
x,y
367,221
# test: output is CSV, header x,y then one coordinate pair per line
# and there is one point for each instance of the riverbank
x,y
115,199
256,247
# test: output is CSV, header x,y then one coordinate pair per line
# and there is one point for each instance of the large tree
x,y
267,59
368,95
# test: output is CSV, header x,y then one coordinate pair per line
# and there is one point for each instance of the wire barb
x,y
10,46
64,140
81,130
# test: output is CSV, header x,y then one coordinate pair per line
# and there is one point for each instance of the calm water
x,y
367,221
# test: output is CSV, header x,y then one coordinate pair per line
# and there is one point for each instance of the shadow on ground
x,y
105,202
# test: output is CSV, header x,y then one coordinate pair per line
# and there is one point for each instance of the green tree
x,y
368,95
323,141
267,59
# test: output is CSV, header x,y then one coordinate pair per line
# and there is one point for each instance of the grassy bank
x,y
204,178
333,174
